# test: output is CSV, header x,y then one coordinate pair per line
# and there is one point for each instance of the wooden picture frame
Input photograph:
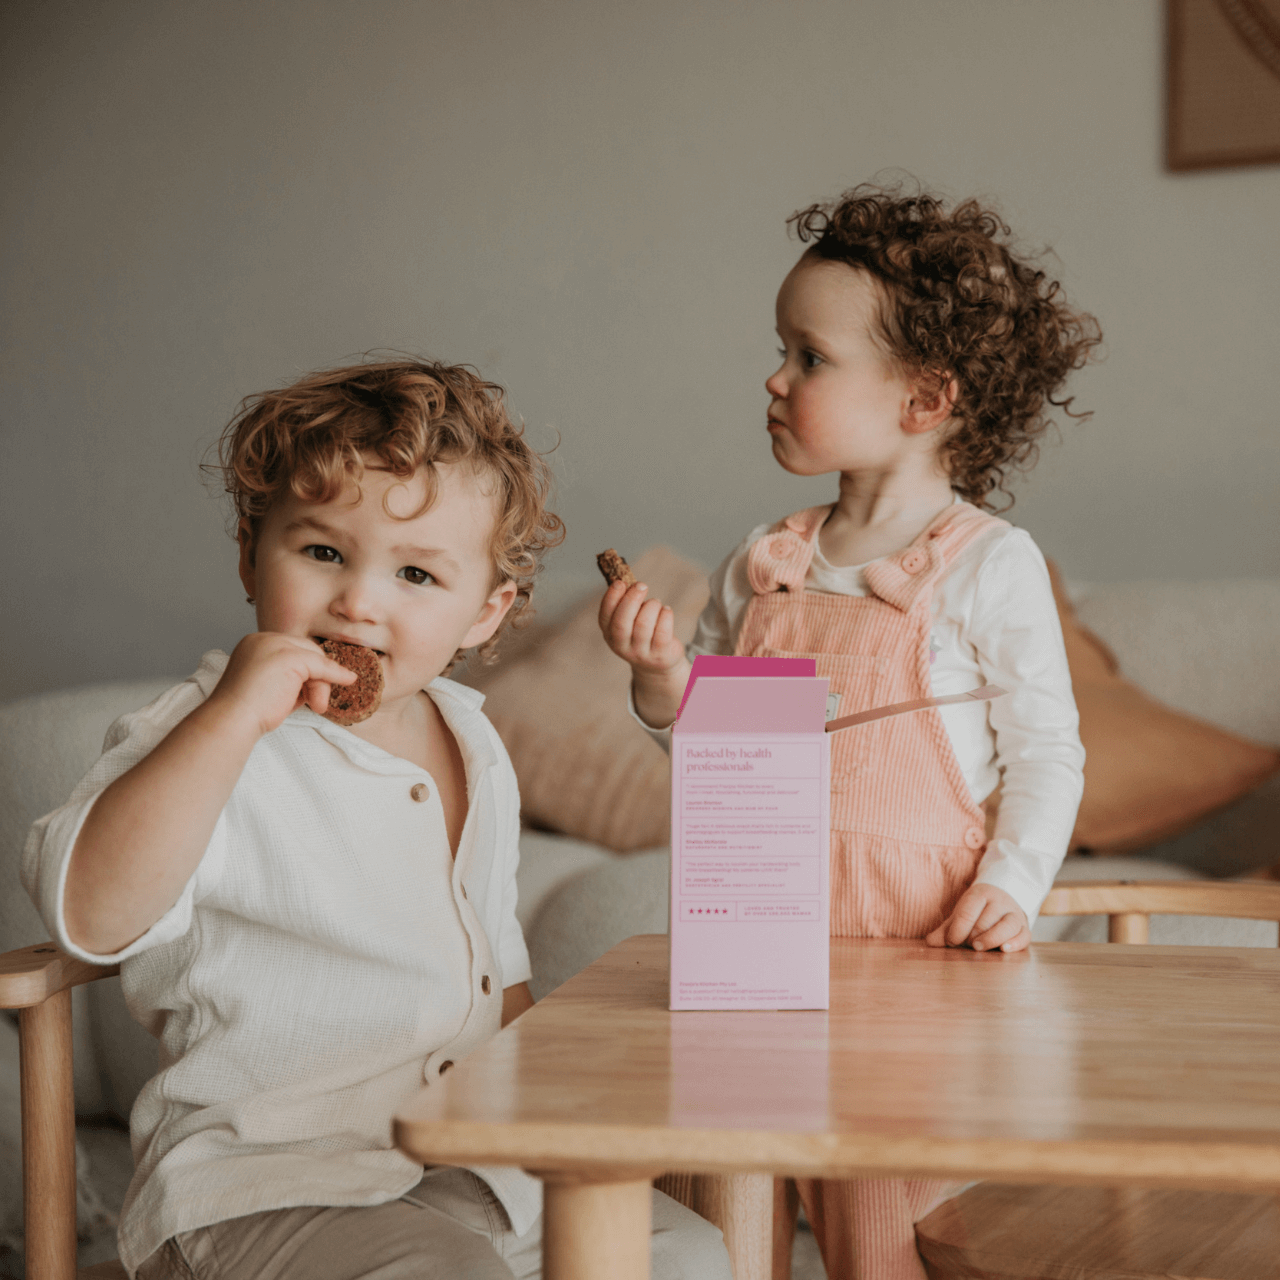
x,y
1222,83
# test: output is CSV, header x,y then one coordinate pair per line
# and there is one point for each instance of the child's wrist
x,y
657,694
228,718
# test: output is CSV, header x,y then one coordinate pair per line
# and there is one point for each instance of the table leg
x,y
741,1205
595,1229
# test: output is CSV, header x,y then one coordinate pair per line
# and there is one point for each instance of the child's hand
x,y
987,918
640,631
270,675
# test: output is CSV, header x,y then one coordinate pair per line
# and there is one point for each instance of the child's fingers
x,y
331,672
315,694
665,630
623,620
644,632
990,915
963,918
1020,940
1005,929
609,603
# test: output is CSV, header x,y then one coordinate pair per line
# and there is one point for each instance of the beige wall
x,y
587,200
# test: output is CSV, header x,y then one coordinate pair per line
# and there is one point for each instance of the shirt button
x,y
975,837
445,1065
914,561
419,791
485,984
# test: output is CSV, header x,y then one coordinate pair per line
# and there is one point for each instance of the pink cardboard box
x,y
750,830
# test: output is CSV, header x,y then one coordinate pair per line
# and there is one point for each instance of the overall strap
x,y
780,560
907,580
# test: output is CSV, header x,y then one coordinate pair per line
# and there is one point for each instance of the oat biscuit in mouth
x,y
351,703
614,567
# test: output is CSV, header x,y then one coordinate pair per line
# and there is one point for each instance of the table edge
x,y
1224,1166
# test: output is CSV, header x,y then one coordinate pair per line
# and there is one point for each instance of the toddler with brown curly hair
x,y
314,915
920,356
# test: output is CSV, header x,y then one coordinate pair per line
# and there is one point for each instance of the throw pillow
x,y
1150,771
585,767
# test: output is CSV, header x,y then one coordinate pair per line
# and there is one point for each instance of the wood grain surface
x,y
1101,1233
1065,1063
33,974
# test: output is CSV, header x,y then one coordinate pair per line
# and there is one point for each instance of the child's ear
x,y
248,576
491,614
930,405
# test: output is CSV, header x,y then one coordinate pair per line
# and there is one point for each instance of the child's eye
x,y
811,359
417,576
326,555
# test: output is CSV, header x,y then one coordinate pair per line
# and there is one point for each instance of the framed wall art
x,y
1223,83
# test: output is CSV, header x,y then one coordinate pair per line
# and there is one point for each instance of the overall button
x,y
445,1065
485,984
975,837
419,791
914,561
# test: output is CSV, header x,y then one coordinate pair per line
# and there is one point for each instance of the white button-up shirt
x,y
326,958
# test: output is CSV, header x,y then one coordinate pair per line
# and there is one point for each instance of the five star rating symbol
x,y
693,912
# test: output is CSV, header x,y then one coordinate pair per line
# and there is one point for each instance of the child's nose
x,y
355,601
775,384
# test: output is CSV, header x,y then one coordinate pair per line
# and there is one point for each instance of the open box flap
x,y
714,664
755,704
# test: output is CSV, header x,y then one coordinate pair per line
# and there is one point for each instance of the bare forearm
x,y
515,1000
148,830
657,694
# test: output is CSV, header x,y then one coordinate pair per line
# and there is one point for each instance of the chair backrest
x,y
47,744
1130,904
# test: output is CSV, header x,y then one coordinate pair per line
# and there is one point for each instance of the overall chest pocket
x,y
859,681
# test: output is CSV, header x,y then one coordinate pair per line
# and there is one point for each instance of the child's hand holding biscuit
x,y
271,675
642,633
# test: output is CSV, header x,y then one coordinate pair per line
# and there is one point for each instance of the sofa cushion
x,y
47,744
1151,771
586,768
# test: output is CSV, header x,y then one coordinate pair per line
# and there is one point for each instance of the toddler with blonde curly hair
x,y
316,917
920,356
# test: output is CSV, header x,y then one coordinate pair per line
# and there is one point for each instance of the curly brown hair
x,y
311,438
957,302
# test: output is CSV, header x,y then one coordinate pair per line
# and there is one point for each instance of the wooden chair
x,y
37,981
1001,1232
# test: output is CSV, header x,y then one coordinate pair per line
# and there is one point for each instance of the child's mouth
x,y
343,640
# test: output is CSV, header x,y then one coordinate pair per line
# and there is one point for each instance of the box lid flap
x,y
711,664
755,704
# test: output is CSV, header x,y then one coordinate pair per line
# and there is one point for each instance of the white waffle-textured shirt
x,y
994,622
326,958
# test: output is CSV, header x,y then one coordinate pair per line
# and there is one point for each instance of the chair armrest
x,y
30,975
1241,900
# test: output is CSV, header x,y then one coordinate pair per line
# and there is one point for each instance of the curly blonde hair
x,y
311,438
957,302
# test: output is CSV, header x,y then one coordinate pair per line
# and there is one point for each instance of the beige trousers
x,y
449,1227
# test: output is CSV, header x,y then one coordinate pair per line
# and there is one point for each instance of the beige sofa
x,y
1205,648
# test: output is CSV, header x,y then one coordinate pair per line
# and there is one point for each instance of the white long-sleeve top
x,y
994,622
326,959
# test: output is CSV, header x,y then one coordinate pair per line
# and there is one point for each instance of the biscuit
x,y
614,567
351,703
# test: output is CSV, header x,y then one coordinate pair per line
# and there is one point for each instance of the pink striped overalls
x,y
906,833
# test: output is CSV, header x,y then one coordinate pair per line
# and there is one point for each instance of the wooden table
x,y
1064,1063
